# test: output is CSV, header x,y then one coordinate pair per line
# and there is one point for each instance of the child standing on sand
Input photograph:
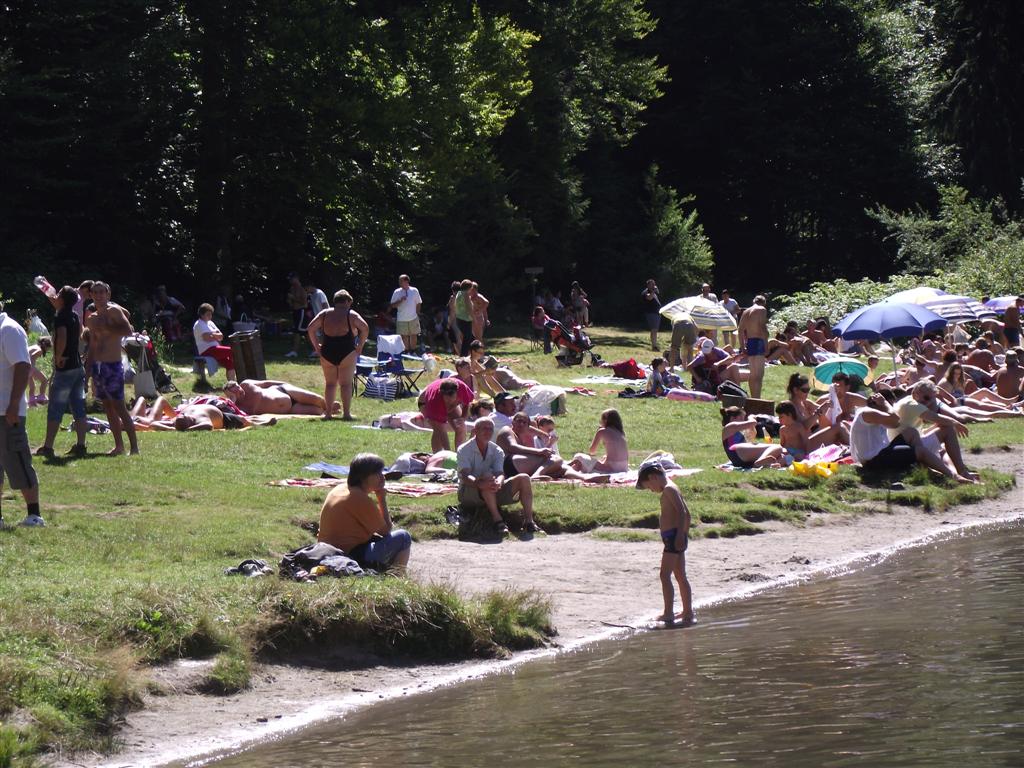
x,y
675,530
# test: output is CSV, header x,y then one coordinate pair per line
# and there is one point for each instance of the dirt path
x,y
592,583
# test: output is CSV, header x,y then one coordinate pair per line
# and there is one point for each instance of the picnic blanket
x,y
605,380
414,490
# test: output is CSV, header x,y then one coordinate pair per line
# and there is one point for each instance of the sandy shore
x,y
593,584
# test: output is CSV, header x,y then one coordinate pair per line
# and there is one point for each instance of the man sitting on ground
x,y
1010,378
278,398
482,479
884,438
505,407
355,518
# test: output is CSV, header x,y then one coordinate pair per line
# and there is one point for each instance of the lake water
x,y
915,661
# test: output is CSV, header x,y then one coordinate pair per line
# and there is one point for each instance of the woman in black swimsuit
x,y
344,334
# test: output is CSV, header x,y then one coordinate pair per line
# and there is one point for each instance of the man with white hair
x,y
482,479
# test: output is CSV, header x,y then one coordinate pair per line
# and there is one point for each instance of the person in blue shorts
x,y
675,531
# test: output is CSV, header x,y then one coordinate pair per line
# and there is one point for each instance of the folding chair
x,y
390,359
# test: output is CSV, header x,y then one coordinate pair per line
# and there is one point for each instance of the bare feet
x,y
327,417
686,619
348,417
134,452
116,451
597,478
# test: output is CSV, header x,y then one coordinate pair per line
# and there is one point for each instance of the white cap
x,y
707,345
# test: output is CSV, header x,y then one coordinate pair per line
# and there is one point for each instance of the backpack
x,y
731,388
627,369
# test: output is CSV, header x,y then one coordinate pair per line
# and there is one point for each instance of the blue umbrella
x,y
1000,303
887,321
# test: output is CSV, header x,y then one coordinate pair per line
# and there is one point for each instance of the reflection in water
x,y
917,661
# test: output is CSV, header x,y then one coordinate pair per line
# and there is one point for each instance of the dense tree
x,y
980,105
782,123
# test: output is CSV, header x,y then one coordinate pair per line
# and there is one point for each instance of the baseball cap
x,y
489,361
707,345
503,396
647,469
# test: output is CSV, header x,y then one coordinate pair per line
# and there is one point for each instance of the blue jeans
x,y
382,552
67,387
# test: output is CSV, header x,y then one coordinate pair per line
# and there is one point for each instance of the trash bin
x,y
247,351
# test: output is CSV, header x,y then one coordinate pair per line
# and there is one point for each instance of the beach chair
x,y
391,359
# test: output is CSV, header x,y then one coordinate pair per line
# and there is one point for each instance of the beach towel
x,y
413,490
323,466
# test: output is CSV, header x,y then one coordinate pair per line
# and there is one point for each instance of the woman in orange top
x,y
355,518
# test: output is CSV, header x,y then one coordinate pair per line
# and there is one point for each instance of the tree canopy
x,y
230,142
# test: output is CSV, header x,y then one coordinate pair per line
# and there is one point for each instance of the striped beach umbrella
x,y
702,312
954,309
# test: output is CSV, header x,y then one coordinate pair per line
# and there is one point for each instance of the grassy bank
x,y
129,570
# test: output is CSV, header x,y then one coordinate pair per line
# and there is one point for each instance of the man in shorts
x,y
15,456
1011,322
107,326
482,479
753,329
407,301
684,336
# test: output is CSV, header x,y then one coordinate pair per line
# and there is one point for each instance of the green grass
x,y
129,571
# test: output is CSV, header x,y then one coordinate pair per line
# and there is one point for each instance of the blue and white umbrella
x,y
955,309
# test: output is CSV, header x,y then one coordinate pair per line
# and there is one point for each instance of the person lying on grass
x,y
883,437
196,415
741,452
979,405
501,378
482,479
355,519
612,435
274,398
674,524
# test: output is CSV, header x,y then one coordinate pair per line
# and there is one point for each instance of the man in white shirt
x,y
482,480
505,407
407,301
15,455
884,438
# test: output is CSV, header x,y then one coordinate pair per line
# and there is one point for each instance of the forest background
x,y
762,145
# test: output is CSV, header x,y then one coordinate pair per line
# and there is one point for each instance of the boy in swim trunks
x,y
675,530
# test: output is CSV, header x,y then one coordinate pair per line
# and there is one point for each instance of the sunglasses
x,y
805,389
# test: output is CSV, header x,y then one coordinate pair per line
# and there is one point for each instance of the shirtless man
x,y
982,357
753,327
107,326
1011,322
1010,378
201,414
278,398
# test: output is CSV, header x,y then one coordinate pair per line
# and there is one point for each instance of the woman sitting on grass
x,y
463,370
742,453
808,413
613,435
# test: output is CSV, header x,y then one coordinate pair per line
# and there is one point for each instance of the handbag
x,y
381,387
243,324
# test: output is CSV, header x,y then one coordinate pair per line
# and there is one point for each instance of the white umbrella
x,y
702,312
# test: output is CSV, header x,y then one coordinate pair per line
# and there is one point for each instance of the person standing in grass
x,y
107,326
675,533
650,304
15,456
68,385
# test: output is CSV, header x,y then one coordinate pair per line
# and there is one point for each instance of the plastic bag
x,y
36,326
